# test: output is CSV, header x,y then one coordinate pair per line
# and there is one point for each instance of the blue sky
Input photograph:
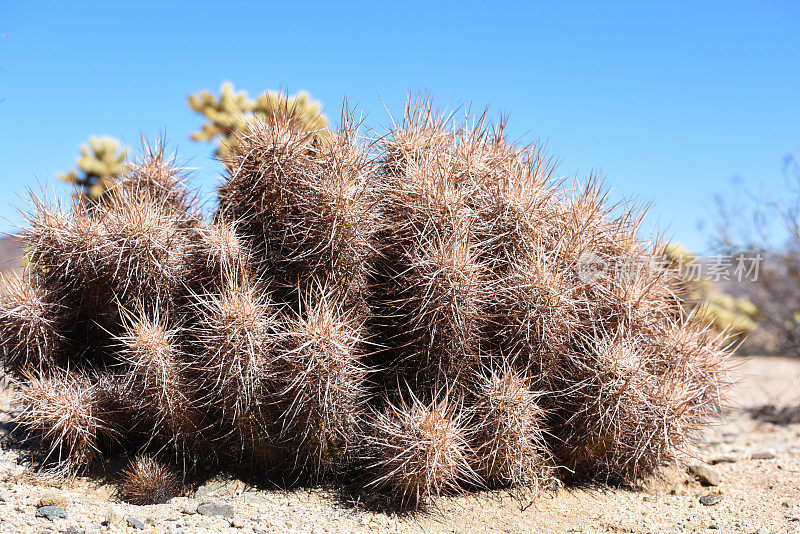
x,y
670,101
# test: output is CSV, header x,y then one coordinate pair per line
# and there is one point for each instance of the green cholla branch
x,y
103,160
229,113
101,163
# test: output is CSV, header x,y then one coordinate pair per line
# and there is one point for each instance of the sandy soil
x,y
758,464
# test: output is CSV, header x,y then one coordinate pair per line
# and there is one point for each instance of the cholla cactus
x,y
101,163
708,304
418,314
231,112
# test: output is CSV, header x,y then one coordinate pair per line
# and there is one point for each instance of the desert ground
x,y
746,478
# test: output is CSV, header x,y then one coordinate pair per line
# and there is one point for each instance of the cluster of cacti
x,y
230,112
409,313
100,164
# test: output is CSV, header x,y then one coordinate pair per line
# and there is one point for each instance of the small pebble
x,y
114,515
678,489
724,459
255,498
706,476
135,523
219,487
710,499
51,512
713,526
763,455
214,509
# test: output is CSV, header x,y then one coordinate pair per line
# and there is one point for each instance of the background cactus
x,y
411,314
706,299
101,163
231,112
103,160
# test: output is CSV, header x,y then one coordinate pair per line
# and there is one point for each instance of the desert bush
x,y
412,312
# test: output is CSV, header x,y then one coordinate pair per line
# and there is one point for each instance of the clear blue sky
x,y
669,100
